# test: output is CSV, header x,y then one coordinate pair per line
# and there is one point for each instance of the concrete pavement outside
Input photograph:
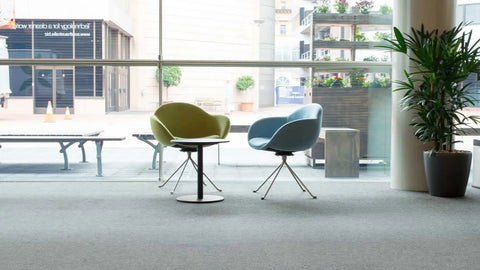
x,y
130,160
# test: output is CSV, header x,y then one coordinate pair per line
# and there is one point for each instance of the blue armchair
x,y
284,135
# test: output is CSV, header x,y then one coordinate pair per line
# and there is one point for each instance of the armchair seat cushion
x,y
258,143
178,120
297,132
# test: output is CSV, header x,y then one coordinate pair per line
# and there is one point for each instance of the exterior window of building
x,y
472,13
53,39
65,39
84,34
84,81
283,29
19,44
468,13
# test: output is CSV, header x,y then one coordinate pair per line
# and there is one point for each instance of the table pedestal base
x,y
195,199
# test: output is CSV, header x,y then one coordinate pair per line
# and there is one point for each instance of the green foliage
x,y
357,78
435,90
360,36
244,83
364,6
381,36
341,6
331,39
171,76
326,58
335,81
379,83
324,7
371,58
385,10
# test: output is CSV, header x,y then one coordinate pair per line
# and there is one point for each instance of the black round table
x,y
199,143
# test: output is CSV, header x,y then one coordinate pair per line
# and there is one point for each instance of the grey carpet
x,y
134,225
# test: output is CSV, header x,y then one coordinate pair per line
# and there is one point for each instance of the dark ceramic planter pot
x,y
447,172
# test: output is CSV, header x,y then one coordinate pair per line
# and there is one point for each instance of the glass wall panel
x,y
53,39
472,14
84,81
84,39
20,81
99,81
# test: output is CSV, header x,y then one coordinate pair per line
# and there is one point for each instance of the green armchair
x,y
178,120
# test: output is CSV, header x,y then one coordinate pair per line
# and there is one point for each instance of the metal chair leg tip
x,y
314,197
171,192
263,198
254,191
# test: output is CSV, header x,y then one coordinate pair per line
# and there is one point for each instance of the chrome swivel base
x,y
302,186
183,166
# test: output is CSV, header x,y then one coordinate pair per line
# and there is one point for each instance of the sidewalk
x,y
130,160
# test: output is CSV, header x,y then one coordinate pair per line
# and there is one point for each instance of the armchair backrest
x,y
301,130
185,120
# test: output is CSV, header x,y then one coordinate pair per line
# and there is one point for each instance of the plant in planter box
x,y
436,93
364,6
335,81
357,78
385,10
324,7
341,6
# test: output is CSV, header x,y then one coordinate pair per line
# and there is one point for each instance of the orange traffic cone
x,y
49,115
67,114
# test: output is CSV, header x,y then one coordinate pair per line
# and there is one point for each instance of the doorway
x,y
53,84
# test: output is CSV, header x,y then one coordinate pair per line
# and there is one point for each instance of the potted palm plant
x,y
435,91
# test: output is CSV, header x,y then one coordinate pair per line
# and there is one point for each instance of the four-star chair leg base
x,y
302,186
183,166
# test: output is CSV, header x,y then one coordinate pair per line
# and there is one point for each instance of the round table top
x,y
199,141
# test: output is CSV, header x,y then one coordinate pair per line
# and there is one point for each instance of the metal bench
x,y
65,141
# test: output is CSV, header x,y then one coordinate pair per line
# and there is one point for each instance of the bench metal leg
x,y
63,150
99,145
84,156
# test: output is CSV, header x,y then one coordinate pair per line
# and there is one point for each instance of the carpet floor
x,y
135,225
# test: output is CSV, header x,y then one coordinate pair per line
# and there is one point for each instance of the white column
x,y
407,171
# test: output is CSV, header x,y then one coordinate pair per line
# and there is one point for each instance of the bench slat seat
x,y
65,141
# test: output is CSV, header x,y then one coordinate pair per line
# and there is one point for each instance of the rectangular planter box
x,y
344,107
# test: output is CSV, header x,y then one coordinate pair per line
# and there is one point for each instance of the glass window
x,y
20,81
84,81
19,40
472,13
98,40
19,45
53,39
84,39
460,14
98,81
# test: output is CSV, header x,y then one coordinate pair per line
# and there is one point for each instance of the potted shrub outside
x,y
436,93
243,84
171,77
